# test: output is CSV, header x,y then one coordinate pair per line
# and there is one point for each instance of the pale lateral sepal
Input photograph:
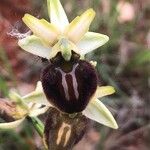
x,y
98,112
91,41
79,26
11,125
57,14
102,91
34,45
34,112
41,28
37,96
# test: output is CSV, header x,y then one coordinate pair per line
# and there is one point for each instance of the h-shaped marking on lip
x,y
65,85
64,129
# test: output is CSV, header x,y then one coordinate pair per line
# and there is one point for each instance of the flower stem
x,y
38,125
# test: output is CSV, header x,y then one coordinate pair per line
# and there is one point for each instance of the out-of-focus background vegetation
x,y
124,62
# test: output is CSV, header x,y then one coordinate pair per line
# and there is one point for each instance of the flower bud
x,y
69,85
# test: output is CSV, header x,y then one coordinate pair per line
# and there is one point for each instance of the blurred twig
x,y
7,110
7,66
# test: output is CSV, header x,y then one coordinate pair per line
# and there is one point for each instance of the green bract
x,y
46,40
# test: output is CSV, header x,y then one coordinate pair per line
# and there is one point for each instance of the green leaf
x,y
140,58
3,87
38,125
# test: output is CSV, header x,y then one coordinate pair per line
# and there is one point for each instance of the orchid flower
x,y
35,103
48,39
69,85
29,105
61,36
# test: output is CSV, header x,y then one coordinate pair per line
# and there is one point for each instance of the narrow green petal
x,y
41,28
79,26
34,45
36,96
57,14
11,125
98,112
91,41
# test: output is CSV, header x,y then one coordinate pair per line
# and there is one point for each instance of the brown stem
x,y
7,109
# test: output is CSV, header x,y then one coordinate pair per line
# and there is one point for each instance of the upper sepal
x,y
57,14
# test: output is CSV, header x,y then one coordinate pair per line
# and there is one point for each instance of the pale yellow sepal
x,y
34,45
11,125
37,96
41,28
79,26
104,91
34,112
57,14
91,41
98,112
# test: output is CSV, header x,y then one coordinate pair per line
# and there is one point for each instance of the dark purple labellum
x,y
62,132
69,85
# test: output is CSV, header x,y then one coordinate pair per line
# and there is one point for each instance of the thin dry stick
x,y
7,108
